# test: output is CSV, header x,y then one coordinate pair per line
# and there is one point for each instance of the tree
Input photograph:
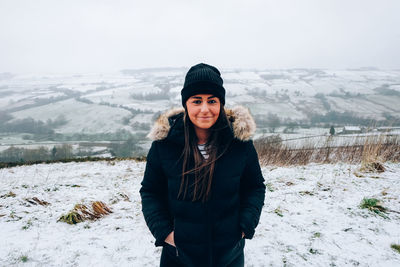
x,y
62,152
332,130
54,152
290,127
125,149
273,122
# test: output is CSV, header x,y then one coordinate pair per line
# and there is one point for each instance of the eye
x,y
212,101
196,101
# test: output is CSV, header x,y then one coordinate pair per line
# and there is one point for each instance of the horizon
x,y
185,68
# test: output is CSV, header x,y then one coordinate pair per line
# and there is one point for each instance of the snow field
x,y
311,217
81,117
320,222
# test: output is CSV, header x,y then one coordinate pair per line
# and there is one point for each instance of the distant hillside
x,y
92,104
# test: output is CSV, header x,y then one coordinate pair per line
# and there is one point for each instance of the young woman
x,y
203,189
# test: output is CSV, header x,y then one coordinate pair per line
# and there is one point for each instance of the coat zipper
x,y
176,248
209,228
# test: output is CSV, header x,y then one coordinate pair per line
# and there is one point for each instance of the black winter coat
x,y
205,233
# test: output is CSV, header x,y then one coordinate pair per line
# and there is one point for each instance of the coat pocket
x,y
182,247
232,254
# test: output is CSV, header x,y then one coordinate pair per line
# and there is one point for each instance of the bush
x,y
150,96
271,121
395,247
125,149
17,154
27,125
59,121
348,118
373,205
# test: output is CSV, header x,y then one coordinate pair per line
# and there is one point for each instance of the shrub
x,y
24,258
395,247
373,205
81,212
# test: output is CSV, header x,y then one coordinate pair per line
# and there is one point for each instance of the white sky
x,y
100,36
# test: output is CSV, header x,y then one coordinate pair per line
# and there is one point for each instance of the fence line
x,y
312,136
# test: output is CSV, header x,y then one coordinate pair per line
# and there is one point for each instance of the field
x,y
311,217
291,94
92,104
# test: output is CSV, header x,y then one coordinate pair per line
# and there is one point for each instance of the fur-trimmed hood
x,y
243,125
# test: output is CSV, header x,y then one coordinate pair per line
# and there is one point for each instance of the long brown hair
x,y
203,169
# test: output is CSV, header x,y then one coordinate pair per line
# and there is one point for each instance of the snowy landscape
x,y
311,217
313,214
82,83
83,110
292,93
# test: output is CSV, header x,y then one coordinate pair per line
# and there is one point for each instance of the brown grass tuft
x,y
81,213
100,208
9,194
372,167
85,212
36,201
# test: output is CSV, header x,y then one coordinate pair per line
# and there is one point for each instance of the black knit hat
x,y
203,79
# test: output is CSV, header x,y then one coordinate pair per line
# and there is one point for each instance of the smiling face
x,y
203,110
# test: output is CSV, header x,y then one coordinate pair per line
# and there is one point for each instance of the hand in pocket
x,y
170,239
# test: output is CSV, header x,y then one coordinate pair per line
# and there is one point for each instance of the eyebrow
x,y
199,97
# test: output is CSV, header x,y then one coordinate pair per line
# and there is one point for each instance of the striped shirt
x,y
203,151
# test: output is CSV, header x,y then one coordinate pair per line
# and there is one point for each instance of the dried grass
x,y
9,194
82,213
100,208
36,201
371,152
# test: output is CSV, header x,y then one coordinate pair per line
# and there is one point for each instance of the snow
x,y
236,88
321,223
142,118
365,107
285,109
288,93
106,118
351,128
240,75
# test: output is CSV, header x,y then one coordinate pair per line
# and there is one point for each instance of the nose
x,y
204,107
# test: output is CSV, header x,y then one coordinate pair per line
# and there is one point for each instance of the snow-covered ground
x,y
311,217
77,113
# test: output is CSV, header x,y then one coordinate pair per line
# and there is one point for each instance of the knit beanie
x,y
203,79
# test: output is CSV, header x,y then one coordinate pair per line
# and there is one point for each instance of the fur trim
x,y
161,127
243,124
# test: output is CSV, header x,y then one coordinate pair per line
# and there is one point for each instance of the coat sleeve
x,y
252,193
154,194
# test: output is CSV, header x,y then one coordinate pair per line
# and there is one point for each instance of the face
x,y
203,110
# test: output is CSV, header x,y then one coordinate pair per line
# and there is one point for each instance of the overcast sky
x,y
101,36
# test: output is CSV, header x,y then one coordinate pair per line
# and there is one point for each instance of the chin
x,y
205,125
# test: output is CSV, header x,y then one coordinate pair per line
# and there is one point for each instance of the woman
x,y
203,189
